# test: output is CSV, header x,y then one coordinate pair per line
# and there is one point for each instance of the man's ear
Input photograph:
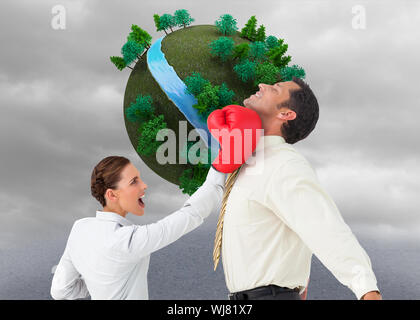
x,y
286,114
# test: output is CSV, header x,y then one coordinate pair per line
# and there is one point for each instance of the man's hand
x,y
372,295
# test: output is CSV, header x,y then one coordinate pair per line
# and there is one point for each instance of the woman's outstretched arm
x,y
137,241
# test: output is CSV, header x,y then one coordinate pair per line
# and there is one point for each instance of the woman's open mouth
x,y
141,203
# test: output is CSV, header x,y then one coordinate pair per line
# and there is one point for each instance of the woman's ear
x,y
286,114
111,195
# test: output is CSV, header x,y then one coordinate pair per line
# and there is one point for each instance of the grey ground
x,y
183,270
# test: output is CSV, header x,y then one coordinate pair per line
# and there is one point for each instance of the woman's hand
x,y
372,295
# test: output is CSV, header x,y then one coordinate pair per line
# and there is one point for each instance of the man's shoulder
x,y
287,154
291,161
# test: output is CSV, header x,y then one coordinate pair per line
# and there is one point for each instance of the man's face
x,y
265,101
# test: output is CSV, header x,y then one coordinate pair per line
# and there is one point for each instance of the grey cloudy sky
x,y
61,106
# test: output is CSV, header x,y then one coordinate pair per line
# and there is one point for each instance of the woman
x,y
107,256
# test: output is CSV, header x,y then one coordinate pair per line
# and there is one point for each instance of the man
x,y
276,219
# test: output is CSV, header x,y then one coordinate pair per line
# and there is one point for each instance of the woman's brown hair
x,y
106,175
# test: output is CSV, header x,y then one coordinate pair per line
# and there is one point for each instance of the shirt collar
x,y
269,141
112,216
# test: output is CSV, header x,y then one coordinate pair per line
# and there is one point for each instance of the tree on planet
x,y
208,100
183,18
258,51
226,24
140,36
141,110
167,21
147,143
225,95
119,62
137,41
192,179
222,48
276,55
195,83
266,73
249,31
260,36
131,51
156,18
245,70
209,97
287,73
271,42
241,51
260,61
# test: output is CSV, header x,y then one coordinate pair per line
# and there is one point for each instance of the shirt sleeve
x,y
67,283
295,196
138,241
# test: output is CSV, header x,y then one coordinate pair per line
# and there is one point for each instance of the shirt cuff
x,y
365,286
209,195
216,177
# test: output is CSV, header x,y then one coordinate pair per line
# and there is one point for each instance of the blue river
x,y
174,88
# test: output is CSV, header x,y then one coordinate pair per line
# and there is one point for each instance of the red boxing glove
x,y
236,129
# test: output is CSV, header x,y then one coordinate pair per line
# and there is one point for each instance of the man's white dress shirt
x,y
107,256
277,218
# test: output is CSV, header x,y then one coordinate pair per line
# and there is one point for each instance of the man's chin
x,y
247,105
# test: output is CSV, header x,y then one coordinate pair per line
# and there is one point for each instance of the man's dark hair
x,y
304,103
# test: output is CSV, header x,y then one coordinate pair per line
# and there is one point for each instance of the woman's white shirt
x,y
107,256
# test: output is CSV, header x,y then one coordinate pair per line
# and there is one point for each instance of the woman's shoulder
x,y
93,223
83,221
109,233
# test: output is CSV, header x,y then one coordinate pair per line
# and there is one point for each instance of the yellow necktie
x,y
231,178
